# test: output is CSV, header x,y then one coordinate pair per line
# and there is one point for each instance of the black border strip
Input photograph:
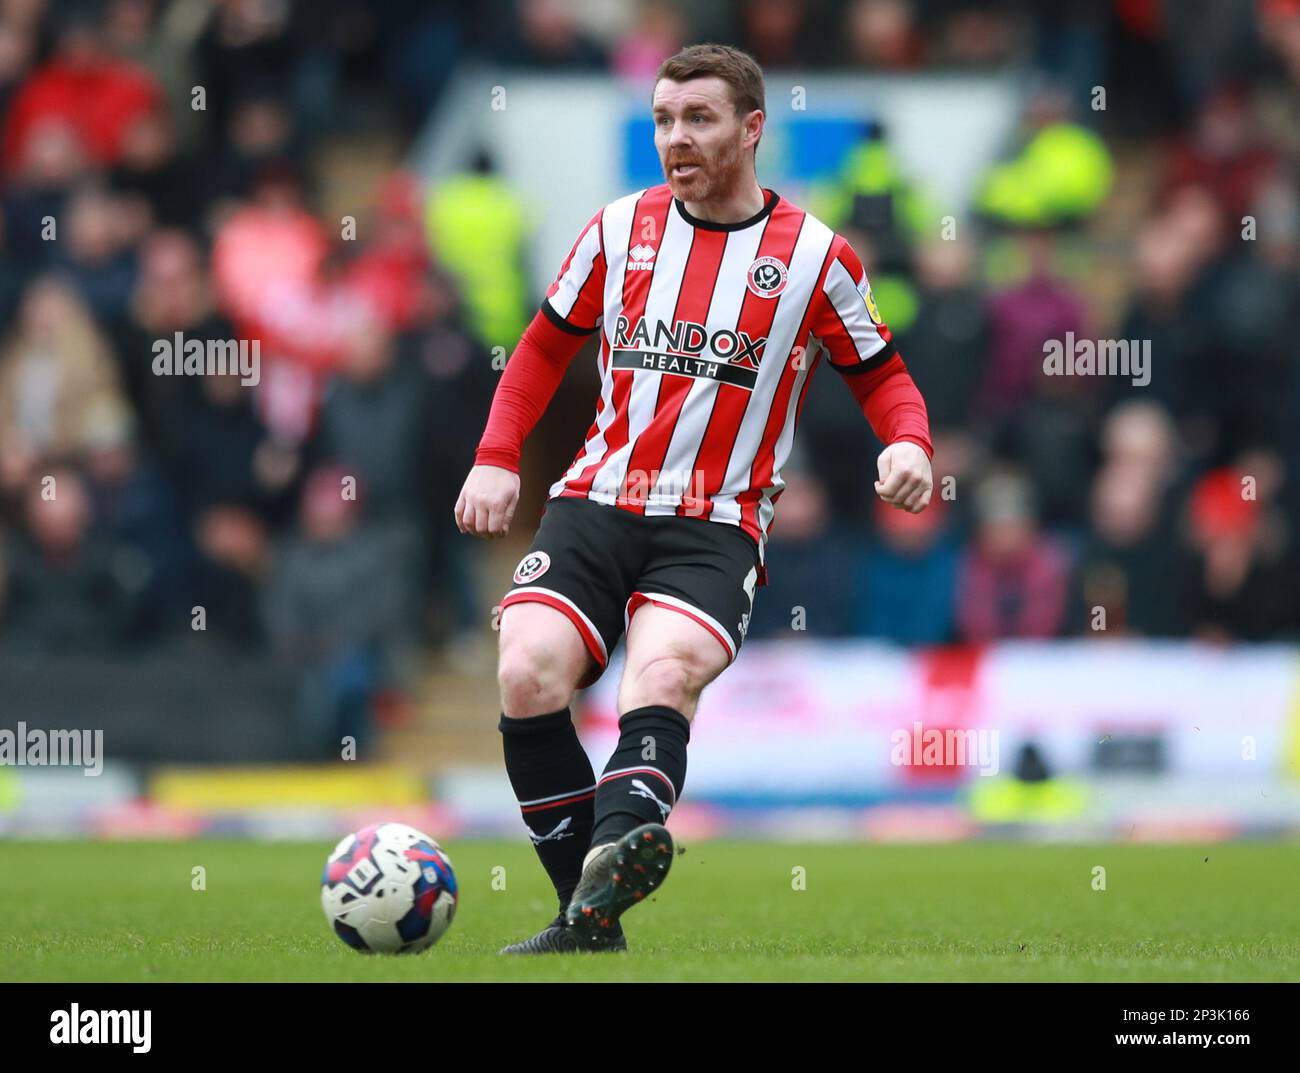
x,y
874,362
710,225
549,311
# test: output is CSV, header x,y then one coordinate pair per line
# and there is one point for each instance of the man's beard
x,y
713,178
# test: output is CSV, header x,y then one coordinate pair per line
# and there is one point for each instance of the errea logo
x,y
640,258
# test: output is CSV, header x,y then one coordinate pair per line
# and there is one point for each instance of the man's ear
x,y
754,123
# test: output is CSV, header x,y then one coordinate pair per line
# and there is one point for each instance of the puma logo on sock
x,y
642,790
561,830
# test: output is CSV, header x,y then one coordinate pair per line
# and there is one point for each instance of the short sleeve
x,y
575,301
846,319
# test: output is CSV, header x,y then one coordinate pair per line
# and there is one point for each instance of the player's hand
x,y
905,478
487,501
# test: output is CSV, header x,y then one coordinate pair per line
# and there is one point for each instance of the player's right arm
x,y
572,310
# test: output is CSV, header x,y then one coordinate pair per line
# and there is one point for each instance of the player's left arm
x,y
860,347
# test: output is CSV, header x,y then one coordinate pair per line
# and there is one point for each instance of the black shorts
x,y
597,564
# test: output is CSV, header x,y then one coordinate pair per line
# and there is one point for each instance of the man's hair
x,y
739,70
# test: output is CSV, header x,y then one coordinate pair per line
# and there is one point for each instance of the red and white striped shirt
x,y
710,334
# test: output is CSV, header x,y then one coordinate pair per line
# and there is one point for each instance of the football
x,y
389,889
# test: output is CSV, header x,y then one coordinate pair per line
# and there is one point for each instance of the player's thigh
x,y
541,658
582,563
670,658
689,611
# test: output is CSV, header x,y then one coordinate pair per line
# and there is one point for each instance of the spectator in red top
x,y
391,271
1225,154
274,278
98,96
1244,588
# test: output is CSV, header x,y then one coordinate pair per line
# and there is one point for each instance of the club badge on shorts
x,y
767,277
532,566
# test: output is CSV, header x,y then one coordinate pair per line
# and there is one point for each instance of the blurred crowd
x,y
160,186
1158,501
164,170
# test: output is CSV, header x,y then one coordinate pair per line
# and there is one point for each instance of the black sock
x,y
645,776
555,786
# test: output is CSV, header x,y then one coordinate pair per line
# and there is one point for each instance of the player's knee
x,y
535,677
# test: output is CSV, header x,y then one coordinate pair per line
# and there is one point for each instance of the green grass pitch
x,y
728,911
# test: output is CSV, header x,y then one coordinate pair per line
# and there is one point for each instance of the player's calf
x,y
644,776
548,768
